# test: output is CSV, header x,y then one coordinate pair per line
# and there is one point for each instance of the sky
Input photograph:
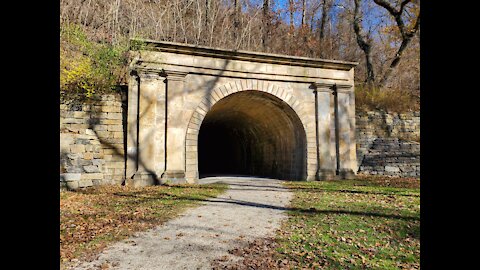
x,y
372,18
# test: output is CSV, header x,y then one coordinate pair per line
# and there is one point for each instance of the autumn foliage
x,y
96,59
89,68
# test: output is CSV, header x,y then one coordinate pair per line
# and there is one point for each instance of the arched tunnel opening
x,y
252,133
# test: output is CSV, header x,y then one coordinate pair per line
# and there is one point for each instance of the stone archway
x,y
266,133
173,87
252,133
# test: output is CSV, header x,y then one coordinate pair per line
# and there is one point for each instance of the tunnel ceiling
x,y
252,133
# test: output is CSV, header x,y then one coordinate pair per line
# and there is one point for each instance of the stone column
x,y
151,86
325,167
353,141
175,127
343,109
132,124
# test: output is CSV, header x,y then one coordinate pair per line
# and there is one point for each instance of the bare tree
x,y
251,25
406,33
207,11
304,10
236,19
326,5
291,10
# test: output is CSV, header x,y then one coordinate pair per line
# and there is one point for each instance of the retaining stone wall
x,y
388,144
92,142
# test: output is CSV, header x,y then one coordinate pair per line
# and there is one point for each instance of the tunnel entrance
x,y
252,133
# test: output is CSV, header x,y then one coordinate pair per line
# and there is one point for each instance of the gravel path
x,y
251,208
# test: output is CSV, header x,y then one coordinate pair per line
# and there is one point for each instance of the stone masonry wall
x,y
92,142
388,144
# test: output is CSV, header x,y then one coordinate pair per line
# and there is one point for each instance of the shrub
x,y
89,68
389,100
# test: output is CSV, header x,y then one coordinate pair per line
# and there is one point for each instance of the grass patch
x,y
92,218
368,223
389,100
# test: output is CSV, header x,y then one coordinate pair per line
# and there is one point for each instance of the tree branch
x,y
406,34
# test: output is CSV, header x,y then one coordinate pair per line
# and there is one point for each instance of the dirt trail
x,y
251,208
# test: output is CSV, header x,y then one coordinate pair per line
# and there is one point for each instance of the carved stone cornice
x,y
179,48
323,86
174,75
343,88
147,73
331,87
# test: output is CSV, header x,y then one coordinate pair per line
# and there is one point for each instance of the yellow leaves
x,y
88,67
77,72
81,68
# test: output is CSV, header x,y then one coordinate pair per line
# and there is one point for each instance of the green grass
x,y
92,218
354,224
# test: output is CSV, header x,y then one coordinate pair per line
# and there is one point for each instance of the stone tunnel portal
x,y
252,133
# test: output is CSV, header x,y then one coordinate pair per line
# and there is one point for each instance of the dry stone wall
x,y
388,144
92,142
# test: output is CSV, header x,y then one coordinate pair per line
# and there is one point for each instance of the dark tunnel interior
x,y
252,133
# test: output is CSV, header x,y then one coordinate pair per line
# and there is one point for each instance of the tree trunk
x,y
304,6
266,24
236,19
324,19
323,23
291,10
207,6
363,43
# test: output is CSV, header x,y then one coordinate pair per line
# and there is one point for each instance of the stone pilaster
x,y
150,87
132,124
175,127
353,141
344,130
325,160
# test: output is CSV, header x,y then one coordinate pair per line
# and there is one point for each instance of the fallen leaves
x,y
94,217
259,254
390,181
367,223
